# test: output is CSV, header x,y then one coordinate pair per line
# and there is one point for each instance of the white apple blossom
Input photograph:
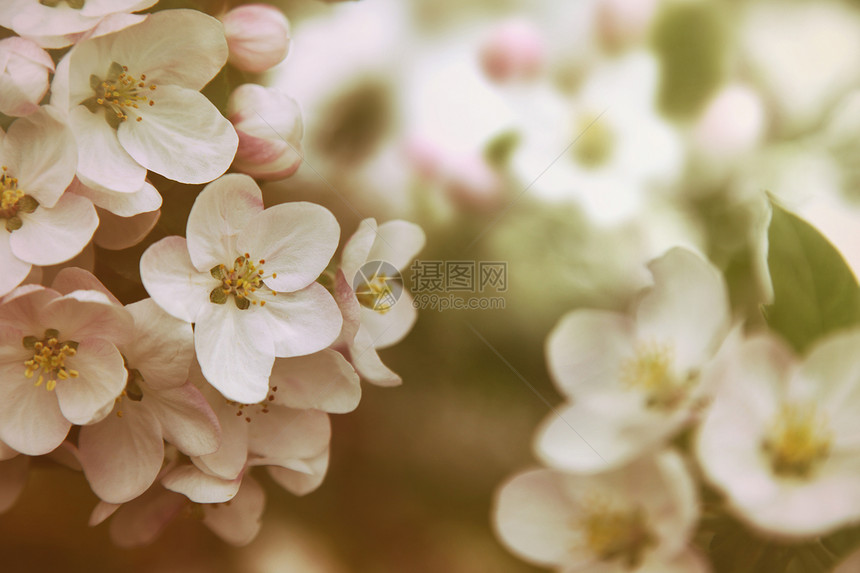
x,y
246,277
43,225
637,518
780,438
371,318
633,381
59,23
606,148
122,454
289,430
269,125
24,69
134,103
258,36
58,364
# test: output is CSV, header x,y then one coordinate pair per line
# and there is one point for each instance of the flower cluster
x,y
254,331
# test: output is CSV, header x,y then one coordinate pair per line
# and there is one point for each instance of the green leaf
x,y
815,292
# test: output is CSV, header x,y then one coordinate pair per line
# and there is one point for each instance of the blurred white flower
x,y
134,103
269,125
780,438
375,316
246,277
637,518
625,22
43,225
59,364
634,380
606,149
258,36
805,55
24,69
59,23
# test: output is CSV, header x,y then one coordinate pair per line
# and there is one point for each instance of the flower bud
x,y
269,125
258,37
24,68
513,50
732,124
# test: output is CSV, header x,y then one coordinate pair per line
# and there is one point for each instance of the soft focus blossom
x,y
637,518
58,362
780,439
134,105
269,125
374,315
24,69
258,36
642,378
59,23
605,149
43,225
513,50
245,276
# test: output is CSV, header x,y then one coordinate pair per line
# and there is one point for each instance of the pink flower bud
x,y
513,50
623,22
269,125
258,37
24,68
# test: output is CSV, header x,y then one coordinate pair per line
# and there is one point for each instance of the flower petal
x,y
297,241
116,233
300,322
234,352
367,363
121,456
388,328
49,236
302,482
103,163
71,279
284,434
322,381
181,120
187,420
144,200
40,151
397,242
576,357
102,377
180,47
173,282
85,314
14,269
30,418
687,306
357,248
198,486
140,521
239,522
220,212
162,347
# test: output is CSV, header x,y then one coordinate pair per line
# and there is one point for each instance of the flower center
x,y
618,534
798,441
119,93
595,142
249,410
49,358
13,200
132,390
241,282
376,293
650,371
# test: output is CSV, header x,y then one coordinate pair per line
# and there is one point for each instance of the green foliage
x,y
689,38
815,292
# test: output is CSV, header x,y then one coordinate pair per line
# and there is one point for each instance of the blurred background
x,y
572,140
